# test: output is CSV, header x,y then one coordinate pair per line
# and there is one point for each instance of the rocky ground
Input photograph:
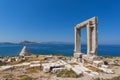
x,y
25,73
36,73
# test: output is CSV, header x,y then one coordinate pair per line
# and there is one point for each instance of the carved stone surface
x,y
92,45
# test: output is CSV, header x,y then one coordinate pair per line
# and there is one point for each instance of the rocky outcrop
x,y
24,52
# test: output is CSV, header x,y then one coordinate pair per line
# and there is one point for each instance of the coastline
x,y
64,49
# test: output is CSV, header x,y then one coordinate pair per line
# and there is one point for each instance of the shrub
x,y
2,63
105,62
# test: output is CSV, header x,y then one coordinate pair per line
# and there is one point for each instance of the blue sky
x,y
54,20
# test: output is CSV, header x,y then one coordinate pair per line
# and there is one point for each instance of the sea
x,y
57,49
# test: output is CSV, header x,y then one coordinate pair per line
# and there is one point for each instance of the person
x,y
80,58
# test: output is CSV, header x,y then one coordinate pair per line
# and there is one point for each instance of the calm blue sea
x,y
66,49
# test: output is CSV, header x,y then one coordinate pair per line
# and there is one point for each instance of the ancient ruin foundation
x,y
91,25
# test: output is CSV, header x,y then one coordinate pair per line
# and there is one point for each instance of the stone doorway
x,y
92,45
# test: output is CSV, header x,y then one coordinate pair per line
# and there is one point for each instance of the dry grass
x,y
16,62
9,76
25,77
94,69
73,64
32,59
67,74
22,76
114,78
116,64
36,59
110,58
33,70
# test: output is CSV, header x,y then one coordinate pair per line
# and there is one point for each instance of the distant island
x,y
28,42
56,42
6,43
32,42
23,42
